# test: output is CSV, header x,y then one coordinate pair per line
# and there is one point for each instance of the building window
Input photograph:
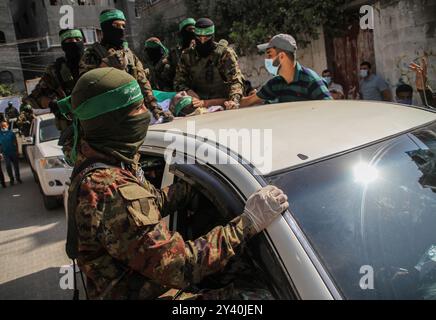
x,y
2,37
6,77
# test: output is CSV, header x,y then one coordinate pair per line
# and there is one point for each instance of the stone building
x,y
10,65
34,26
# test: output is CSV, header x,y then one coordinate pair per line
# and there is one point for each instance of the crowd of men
x,y
104,100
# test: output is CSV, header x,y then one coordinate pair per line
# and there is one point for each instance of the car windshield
x,y
48,131
370,216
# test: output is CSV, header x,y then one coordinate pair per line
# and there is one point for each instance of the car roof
x,y
307,131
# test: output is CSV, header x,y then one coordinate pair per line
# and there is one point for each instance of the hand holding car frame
x,y
265,206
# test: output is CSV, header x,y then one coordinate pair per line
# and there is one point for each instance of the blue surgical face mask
x,y
405,101
4,129
328,80
270,67
363,73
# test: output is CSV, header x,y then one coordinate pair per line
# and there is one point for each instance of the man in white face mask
x,y
293,82
372,86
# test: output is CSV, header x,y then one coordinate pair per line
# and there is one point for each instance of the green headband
x,y
187,22
205,31
113,100
183,103
154,44
112,15
70,34
64,106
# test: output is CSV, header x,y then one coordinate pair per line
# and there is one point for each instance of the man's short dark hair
x,y
366,63
404,88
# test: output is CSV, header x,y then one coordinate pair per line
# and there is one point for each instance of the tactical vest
x,y
64,76
207,80
130,66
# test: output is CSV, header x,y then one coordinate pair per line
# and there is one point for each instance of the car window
x,y
250,270
48,131
370,215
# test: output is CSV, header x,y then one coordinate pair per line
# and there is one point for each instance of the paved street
x,y
32,242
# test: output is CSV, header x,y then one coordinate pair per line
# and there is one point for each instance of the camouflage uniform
x,y
126,249
11,113
122,59
57,82
24,122
161,75
214,77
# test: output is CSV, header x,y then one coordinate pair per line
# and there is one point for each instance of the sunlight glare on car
x,y
365,173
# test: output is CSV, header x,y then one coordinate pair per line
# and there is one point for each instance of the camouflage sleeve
x,y
182,80
232,74
46,87
147,91
128,225
89,61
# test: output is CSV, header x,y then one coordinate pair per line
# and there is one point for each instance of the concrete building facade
x,y
34,26
10,65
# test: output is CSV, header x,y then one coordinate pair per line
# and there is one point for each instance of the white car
x,y
46,159
361,182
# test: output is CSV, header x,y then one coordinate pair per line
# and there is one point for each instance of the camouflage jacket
x,y
127,251
24,122
11,113
123,59
161,75
217,76
57,82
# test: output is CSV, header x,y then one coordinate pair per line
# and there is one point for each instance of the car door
x,y
217,192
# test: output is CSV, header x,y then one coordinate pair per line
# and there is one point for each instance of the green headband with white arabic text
x,y
113,100
71,34
112,15
210,31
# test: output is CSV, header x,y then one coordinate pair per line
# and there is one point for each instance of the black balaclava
x,y
112,36
186,37
154,54
73,52
205,49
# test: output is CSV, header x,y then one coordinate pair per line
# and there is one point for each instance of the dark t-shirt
x,y
307,85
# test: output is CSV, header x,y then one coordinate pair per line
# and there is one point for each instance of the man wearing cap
x,y
157,62
292,82
210,70
60,77
115,227
113,51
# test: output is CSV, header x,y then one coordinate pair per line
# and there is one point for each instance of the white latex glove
x,y
265,206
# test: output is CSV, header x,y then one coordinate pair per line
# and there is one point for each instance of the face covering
x,y
363,73
111,35
328,80
4,129
205,49
73,52
117,133
154,54
187,37
270,68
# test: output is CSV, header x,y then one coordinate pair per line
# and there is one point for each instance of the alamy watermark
x,y
223,146
367,18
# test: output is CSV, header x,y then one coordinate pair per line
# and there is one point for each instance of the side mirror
x,y
28,141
